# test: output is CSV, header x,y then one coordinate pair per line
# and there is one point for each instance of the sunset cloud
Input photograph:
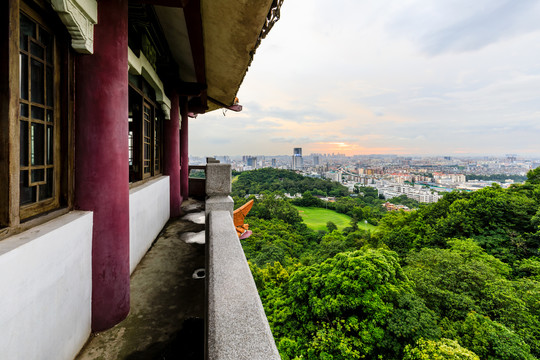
x,y
388,77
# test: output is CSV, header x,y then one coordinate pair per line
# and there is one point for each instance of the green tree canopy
x,y
463,279
331,226
533,176
443,349
284,181
451,280
344,308
272,206
499,219
490,339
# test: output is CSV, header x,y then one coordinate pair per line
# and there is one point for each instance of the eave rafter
x,y
210,64
195,31
228,58
183,30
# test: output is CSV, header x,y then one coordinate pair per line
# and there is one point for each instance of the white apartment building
x,y
449,178
334,176
390,189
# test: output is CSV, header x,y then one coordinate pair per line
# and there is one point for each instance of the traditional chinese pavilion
x,y
95,102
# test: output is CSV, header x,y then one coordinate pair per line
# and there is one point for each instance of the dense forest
x,y
458,279
284,181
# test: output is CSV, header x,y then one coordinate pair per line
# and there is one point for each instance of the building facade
x,y
297,160
95,104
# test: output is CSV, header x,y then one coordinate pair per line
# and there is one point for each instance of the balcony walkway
x,y
167,303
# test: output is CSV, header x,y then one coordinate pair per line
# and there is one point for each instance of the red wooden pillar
x,y
172,155
184,156
101,160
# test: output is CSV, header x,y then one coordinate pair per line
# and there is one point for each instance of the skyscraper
x,y
251,161
297,160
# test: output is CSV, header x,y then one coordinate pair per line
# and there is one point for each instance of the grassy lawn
x,y
316,219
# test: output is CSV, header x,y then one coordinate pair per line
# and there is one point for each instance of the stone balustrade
x,y
236,325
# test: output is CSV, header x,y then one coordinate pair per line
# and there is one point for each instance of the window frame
x,y
14,217
138,137
147,136
29,210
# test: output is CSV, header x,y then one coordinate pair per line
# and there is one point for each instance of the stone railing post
x,y
218,188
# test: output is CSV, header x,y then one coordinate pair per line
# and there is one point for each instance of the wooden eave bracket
x,y
197,105
79,17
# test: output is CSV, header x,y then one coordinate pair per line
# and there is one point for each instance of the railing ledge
x,y
236,325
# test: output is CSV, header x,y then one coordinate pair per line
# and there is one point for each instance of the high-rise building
x,y
223,159
297,160
511,158
316,160
251,161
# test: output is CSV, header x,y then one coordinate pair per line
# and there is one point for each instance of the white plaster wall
x,y
149,211
45,289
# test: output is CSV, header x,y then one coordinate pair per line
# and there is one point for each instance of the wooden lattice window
x,y
157,142
38,116
36,102
147,140
145,132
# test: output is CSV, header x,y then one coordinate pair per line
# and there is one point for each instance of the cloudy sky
x,y
388,77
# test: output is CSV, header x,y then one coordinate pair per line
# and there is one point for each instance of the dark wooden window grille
x,y
38,83
36,116
157,142
145,132
147,140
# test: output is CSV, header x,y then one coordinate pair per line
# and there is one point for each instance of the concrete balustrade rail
x,y
236,325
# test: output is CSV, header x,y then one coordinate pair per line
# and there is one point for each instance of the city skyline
x,y
405,78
